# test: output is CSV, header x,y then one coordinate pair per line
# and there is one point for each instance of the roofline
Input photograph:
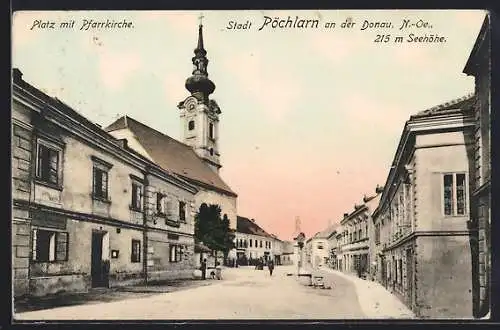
x,y
410,130
481,37
255,223
181,176
111,144
206,185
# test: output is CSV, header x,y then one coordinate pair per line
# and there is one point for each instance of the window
x,y
191,125
136,196
160,205
400,266
460,193
211,131
49,246
176,252
359,234
100,183
256,244
246,243
136,251
47,169
250,242
454,194
211,151
182,211
260,243
377,233
320,246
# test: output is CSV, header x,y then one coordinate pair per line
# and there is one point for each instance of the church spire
x,y
200,49
199,84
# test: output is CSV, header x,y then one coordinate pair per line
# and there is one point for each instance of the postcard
x,y
251,165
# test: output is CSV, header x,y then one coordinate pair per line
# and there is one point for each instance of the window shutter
x,y
39,170
52,247
53,165
62,246
34,246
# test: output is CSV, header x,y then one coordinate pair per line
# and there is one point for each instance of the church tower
x,y
200,114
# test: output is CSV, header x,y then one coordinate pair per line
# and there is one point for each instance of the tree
x,y
213,230
227,236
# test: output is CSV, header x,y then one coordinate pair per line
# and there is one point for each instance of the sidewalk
x,y
99,295
376,302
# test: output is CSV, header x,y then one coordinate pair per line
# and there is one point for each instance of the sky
x,y
311,117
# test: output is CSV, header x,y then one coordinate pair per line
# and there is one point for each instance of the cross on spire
x,y
200,18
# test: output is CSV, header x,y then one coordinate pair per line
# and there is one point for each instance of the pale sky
x,y
311,118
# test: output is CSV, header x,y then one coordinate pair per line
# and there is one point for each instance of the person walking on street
x,y
270,265
204,269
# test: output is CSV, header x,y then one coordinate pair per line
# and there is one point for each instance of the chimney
x,y
379,189
346,215
253,220
17,74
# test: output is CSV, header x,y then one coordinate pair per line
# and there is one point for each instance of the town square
x,y
178,165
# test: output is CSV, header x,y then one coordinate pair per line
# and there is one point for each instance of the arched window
x,y
211,151
191,125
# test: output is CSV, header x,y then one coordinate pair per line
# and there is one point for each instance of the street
x,y
244,293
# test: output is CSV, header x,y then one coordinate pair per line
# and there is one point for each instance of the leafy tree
x,y
213,230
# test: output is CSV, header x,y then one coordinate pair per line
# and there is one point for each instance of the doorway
x,y
383,271
99,266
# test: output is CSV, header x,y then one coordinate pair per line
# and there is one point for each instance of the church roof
x,y
247,226
172,155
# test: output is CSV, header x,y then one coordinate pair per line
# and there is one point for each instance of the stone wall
x,y
21,148
160,266
444,277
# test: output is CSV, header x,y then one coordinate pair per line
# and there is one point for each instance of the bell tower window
x,y
211,131
211,151
191,125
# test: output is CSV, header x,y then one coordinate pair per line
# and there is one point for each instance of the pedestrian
x,y
203,269
218,271
270,266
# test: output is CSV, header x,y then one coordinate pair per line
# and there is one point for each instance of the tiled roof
x,y
171,154
457,105
247,226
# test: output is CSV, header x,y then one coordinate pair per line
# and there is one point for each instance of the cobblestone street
x,y
244,293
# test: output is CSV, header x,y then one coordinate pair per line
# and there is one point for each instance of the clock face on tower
x,y
190,103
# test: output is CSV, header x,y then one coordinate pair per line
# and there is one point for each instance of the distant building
x,y
479,66
318,249
252,242
355,238
277,249
421,234
287,256
333,247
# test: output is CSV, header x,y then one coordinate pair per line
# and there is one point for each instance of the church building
x,y
196,158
